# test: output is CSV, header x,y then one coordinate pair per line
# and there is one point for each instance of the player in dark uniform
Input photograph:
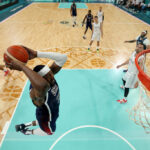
x,y
73,12
44,92
89,20
141,39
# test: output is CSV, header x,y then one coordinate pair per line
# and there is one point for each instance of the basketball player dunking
x,y
89,19
73,12
44,91
97,31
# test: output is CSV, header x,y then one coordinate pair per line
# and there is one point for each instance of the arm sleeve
x,y
59,58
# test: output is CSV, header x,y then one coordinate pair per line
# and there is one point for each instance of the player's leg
x,y
97,48
91,42
122,86
84,37
74,20
98,41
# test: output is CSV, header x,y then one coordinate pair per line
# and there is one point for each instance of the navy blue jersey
x,y
140,40
48,113
89,19
74,10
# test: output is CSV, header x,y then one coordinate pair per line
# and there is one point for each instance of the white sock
x,y
40,132
125,98
28,124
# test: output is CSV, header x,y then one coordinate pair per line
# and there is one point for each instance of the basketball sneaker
x,y
84,37
20,127
121,101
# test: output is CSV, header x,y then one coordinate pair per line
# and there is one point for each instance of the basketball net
x,y
140,113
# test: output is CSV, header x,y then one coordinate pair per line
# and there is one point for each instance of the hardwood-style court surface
x,y
45,27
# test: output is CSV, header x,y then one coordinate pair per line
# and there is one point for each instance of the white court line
x,y
92,126
14,13
131,15
13,115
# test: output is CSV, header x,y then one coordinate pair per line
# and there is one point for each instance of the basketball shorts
x,y
89,25
96,36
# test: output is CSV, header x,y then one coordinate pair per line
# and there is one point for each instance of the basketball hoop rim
x,y
141,72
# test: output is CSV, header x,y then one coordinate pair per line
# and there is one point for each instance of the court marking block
x,y
68,5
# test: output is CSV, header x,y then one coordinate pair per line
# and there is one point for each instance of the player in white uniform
x,y
97,31
100,15
130,79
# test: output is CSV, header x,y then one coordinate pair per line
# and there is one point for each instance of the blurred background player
x,y
130,79
100,15
73,12
44,92
3,68
141,38
97,31
89,20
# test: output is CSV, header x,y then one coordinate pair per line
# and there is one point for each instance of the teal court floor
x,y
90,117
68,5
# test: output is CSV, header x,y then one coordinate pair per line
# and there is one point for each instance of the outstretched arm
x,y
125,63
59,59
131,41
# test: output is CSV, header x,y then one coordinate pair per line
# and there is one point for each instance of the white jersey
x,y
132,69
131,75
100,16
96,27
96,31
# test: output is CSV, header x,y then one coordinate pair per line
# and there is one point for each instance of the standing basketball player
x,y
44,92
100,15
130,79
141,38
97,31
89,19
73,12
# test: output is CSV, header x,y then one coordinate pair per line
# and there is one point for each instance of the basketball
x,y
17,53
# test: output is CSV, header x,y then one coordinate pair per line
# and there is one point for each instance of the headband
x,y
44,71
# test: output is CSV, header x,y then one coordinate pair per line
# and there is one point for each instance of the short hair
x,y
38,68
96,17
142,44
